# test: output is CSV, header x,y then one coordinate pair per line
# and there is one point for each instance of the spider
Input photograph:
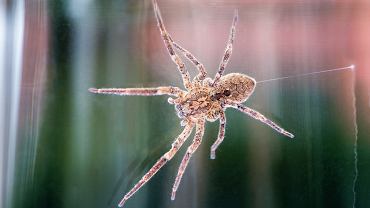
x,y
204,99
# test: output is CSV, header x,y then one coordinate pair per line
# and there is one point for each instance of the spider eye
x,y
216,96
227,93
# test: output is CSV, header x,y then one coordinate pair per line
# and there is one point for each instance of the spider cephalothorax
x,y
204,99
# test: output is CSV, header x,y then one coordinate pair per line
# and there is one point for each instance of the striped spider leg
x,y
258,116
175,58
162,161
202,71
169,45
228,50
168,90
221,135
189,152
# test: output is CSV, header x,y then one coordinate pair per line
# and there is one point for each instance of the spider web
x,y
355,143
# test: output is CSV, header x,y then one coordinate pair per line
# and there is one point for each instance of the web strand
x,y
351,67
355,144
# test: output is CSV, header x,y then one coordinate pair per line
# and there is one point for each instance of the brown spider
x,y
204,99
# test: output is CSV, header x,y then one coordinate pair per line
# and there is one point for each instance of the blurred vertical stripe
x,y
11,74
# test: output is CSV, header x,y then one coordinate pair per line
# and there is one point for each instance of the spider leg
x,y
175,91
257,115
202,71
228,50
191,149
175,58
159,164
221,135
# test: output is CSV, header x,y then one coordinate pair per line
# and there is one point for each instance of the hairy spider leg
x,y
175,58
202,71
159,164
168,90
189,152
257,115
228,50
221,135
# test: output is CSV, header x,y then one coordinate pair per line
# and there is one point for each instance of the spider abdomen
x,y
239,87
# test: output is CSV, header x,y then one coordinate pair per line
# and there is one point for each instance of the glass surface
x,y
65,147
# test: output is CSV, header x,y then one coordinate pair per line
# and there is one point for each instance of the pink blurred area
x,y
274,38
317,35
35,63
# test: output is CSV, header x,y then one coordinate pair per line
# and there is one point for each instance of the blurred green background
x,y
65,147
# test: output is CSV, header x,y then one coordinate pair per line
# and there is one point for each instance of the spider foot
x,y
122,202
173,195
213,154
93,90
288,134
